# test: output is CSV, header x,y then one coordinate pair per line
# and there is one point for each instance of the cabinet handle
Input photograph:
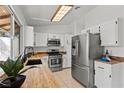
x,y
100,41
110,76
101,67
94,72
99,28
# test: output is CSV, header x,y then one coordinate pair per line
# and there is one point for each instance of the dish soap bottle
x,y
107,56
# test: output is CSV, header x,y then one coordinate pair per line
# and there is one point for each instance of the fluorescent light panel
x,y
63,10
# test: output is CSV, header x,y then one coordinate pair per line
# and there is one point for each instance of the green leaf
x,y
12,67
5,69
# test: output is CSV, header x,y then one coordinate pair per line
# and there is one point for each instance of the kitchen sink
x,y
34,62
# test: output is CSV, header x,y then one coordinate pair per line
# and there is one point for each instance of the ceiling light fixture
x,y
61,12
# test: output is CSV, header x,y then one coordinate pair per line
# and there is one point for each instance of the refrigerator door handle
x,y
75,50
77,47
83,68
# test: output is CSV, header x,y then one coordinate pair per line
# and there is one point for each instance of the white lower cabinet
x,y
108,75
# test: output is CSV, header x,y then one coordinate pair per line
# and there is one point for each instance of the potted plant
x,y
12,69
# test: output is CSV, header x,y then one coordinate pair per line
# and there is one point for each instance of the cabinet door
x,y
38,39
84,31
44,39
52,36
62,37
29,36
102,79
95,29
109,33
103,75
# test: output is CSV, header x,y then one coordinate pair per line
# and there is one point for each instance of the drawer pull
x,y
101,67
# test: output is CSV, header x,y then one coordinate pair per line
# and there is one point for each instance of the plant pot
x,y
15,84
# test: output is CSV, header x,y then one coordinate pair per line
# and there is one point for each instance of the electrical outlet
x,y
110,52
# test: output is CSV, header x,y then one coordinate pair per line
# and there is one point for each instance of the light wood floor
x,y
65,79
42,77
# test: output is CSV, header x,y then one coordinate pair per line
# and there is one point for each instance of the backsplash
x,y
115,51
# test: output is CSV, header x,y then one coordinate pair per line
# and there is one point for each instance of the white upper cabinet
x,y
28,36
61,37
44,39
53,36
40,39
85,30
95,29
109,33
37,37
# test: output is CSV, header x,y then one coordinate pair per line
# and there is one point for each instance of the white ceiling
x,y
45,12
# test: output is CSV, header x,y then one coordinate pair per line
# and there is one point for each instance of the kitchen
x,y
101,27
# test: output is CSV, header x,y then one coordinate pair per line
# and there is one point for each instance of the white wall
x,y
57,29
78,25
101,14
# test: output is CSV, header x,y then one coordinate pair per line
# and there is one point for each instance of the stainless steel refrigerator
x,y
85,49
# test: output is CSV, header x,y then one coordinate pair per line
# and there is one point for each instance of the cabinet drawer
x,y
102,66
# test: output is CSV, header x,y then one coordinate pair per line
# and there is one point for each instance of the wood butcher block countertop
x,y
114,60
40,77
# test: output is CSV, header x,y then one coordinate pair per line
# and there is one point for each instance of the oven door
x,y
54,61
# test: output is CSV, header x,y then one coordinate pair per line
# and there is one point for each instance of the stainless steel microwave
x,y
53,42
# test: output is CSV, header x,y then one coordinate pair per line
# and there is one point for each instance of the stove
x,y
55,60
